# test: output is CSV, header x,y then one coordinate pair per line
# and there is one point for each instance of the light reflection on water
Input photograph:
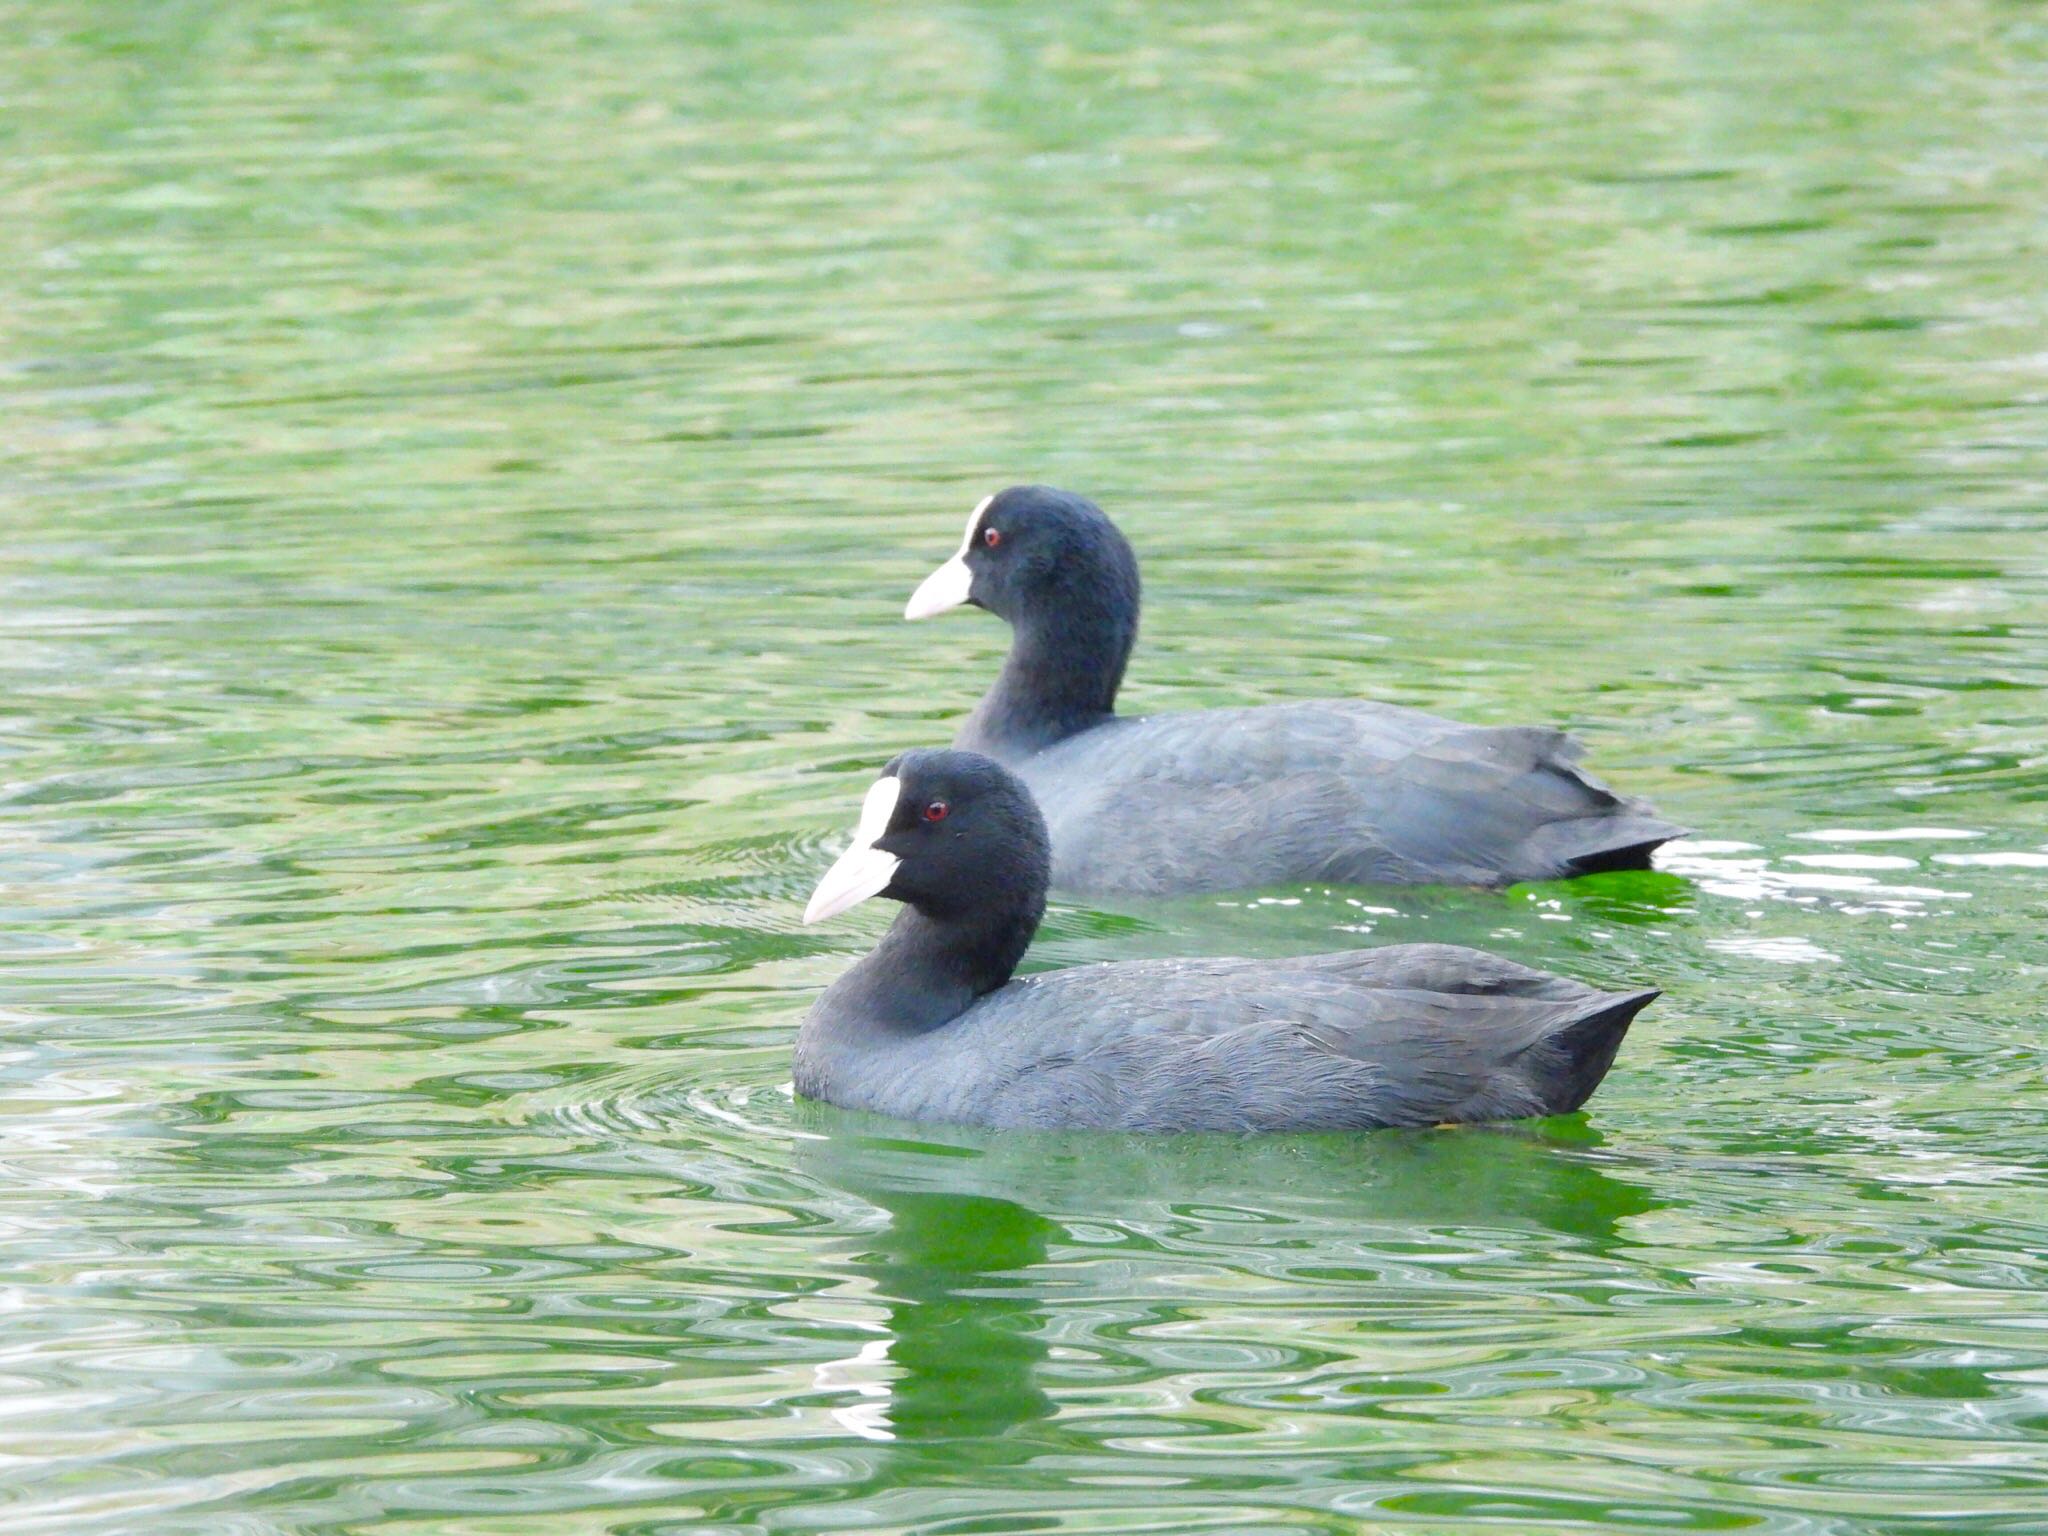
x,y
460,473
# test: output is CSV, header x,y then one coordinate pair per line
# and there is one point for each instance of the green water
x,y
460,469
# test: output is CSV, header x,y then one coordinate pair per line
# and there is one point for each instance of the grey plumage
x,y
930,1025
1342,790
1413,1034
1337,790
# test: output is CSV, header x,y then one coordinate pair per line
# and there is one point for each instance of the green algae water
x,y
461,466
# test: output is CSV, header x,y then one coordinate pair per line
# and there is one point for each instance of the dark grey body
x,y
1412,1034
1337,790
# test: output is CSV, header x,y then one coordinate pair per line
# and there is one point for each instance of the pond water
x,y
461,466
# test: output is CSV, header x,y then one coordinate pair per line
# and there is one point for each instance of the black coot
x,y
1338,790
929,1026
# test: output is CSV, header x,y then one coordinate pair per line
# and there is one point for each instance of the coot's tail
x,y
1593,845
1569,822
1581,1050
1625,843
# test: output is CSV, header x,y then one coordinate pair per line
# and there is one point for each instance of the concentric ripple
x,y
460,473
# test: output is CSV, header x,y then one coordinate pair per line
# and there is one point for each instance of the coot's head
x,y
1032,549
953,834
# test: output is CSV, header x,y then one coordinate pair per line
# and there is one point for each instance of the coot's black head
x,y
954,834
1030,551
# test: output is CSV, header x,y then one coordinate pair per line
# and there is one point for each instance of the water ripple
x,y
461,477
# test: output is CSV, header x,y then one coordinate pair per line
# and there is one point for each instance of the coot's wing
x,y
1511,801
1411,1035
1340,790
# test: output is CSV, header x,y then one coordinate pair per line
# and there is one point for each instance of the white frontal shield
x,y
863,870
952,583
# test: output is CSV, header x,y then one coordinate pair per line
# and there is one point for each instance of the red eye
x,y
936,811
991,537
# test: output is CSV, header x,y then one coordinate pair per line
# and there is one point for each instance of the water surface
x,y
460,469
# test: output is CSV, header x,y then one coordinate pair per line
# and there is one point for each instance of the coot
x,y
930,1026
1339,790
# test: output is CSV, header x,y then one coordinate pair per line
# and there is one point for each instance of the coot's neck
x,y
1066,660
927,971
